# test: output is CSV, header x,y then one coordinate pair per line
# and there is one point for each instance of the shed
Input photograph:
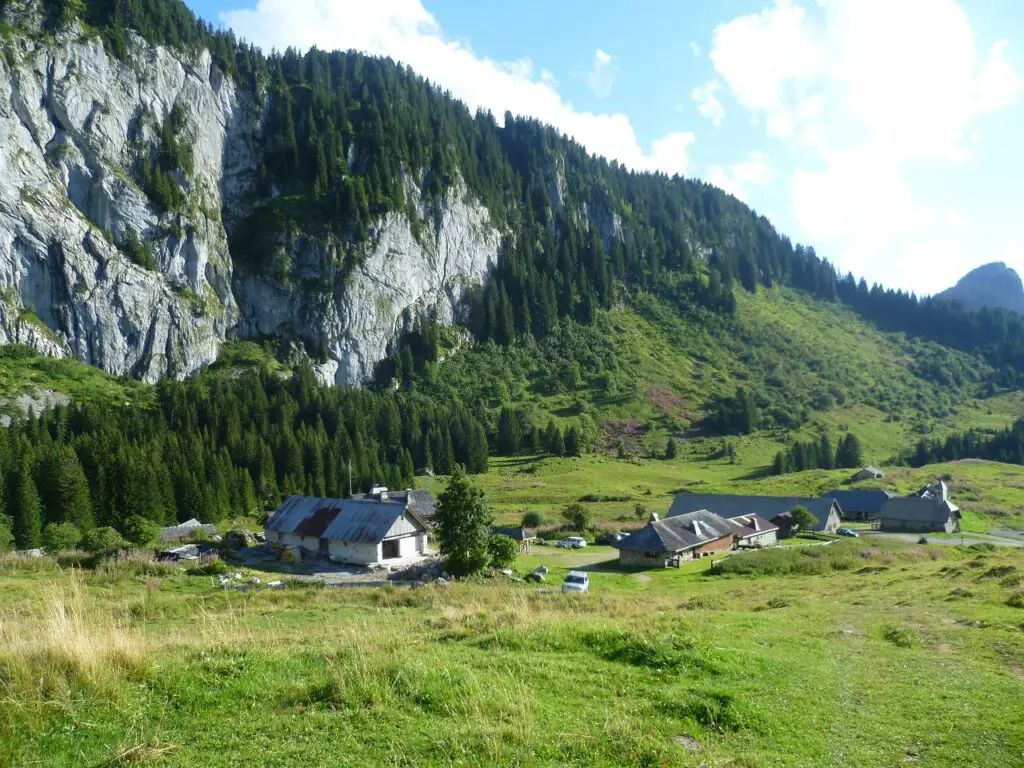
x,y
359,531
662,543
524,537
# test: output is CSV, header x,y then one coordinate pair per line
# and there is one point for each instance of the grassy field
x,y
989,494
822,656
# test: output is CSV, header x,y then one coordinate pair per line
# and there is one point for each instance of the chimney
x,y
654,517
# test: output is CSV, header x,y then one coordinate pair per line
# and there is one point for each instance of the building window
x,y
390,549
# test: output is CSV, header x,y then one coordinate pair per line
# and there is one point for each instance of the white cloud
x,y
864,91
602,75
707,103
738,178
406,31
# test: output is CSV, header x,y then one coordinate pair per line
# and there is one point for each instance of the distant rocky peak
x,y
992,285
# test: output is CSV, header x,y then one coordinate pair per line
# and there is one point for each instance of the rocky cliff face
x,y
74,121
354,318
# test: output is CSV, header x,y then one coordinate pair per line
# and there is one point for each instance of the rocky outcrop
x,y
354,319
73,123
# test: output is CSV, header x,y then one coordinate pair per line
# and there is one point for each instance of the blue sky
x,y
885,133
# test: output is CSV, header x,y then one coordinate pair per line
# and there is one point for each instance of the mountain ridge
x,y
994,285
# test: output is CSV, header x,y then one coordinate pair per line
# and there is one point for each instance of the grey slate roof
x,y
754,525
860,502
875,471
360,521
732,505
918,510
680,533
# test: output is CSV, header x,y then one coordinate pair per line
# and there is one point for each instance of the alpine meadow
x,y
341,425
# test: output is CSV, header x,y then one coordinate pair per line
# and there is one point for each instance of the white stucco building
x,y
357,531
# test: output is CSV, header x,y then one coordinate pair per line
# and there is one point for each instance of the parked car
x,y
922,540
573,542
847,532
576,581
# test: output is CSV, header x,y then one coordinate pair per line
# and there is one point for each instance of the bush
x,y
503,551
60,537
532,519
212,568
577,517
6,534
1016,600
141,531
102,540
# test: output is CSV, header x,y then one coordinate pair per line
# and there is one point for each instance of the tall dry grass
x,y
66,647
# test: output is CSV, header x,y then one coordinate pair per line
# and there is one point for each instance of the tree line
x,y
819,454
1006,446
220,446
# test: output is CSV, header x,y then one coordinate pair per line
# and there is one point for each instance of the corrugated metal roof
x,y
355,520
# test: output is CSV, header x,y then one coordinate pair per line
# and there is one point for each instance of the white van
x,y
576,581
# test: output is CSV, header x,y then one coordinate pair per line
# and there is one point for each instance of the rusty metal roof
x,y
362,521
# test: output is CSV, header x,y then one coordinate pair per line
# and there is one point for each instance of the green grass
x,y
908,655
23,371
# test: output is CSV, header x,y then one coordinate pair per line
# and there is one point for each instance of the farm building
x,y
662,543
358,531
860,505
930,510
524,537
755,532
187,530
868,473
730,506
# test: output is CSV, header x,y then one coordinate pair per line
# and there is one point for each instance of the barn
x,y
356,531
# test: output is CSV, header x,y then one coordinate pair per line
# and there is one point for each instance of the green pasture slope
x,y
820,656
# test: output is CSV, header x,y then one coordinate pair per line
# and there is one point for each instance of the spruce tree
x,y
25,508
463,525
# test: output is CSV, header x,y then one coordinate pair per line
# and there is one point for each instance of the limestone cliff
x,y
354,318
74,123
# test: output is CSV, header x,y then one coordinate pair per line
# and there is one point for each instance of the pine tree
x,y
25,508
572,442
670,449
